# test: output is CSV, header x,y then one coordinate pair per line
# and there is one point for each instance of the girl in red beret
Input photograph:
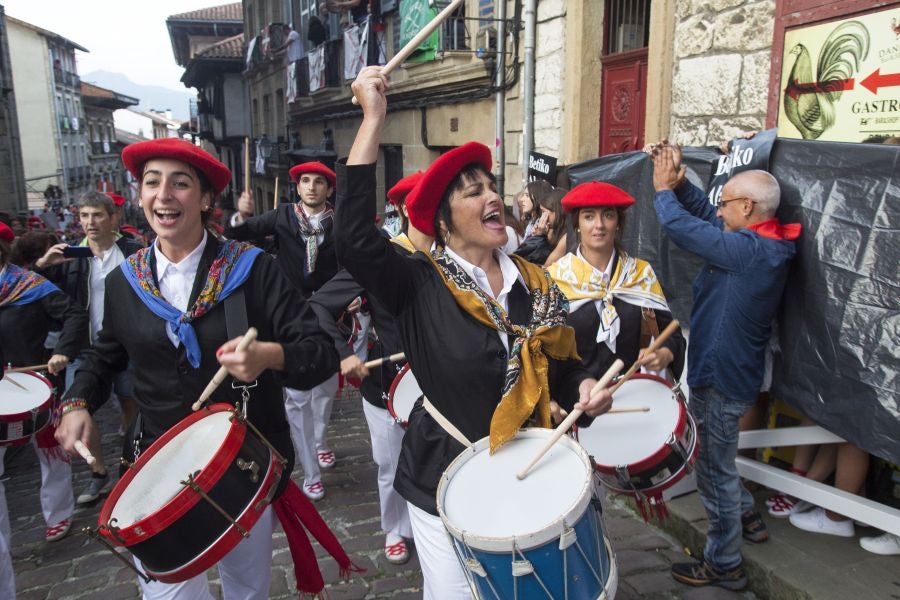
x,y
165,311
474,323
616,302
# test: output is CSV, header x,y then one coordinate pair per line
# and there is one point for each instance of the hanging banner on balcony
x,y
317,69
840,80
414,16
354,50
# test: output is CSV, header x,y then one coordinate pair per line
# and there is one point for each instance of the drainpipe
x,y
529,14
500,124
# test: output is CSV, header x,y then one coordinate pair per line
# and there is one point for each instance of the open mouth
x,y
166,216
493,220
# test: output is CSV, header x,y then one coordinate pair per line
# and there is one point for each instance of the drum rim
x,y
185,499
43,406
663,450
394,383
528,540
221,546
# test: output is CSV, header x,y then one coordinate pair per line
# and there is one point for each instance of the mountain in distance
x,y
151,96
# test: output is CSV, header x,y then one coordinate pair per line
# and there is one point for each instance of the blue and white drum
x,y
540,537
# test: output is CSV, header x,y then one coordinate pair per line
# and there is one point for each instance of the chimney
x,y
169,114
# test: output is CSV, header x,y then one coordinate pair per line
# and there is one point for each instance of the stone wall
x,y
721,71
549,76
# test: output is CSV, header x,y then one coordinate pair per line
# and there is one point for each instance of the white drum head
x,y
404,393
159,479
483,498
627,438
15,400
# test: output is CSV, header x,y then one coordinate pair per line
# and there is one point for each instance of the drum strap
x,y
650,331
449,427
236,314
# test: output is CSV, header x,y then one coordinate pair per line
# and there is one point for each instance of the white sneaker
x,y
314,491
886,544
817,521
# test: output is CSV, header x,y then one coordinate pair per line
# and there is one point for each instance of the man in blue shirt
x,y
736,296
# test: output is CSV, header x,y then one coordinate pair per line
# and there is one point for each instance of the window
x,y
279,112
629,25
255,116
267,114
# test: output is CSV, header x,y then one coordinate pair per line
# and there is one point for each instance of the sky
x,y
123,36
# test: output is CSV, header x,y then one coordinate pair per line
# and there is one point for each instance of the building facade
x,y
12,175
107,172
54,143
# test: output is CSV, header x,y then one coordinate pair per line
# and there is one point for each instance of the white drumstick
x,y
380,361
85,453
222,373
573,416
414,43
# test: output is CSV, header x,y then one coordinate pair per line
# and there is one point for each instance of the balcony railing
x,y
98,148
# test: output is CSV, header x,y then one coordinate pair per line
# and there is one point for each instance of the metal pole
x,y
529,17
500,124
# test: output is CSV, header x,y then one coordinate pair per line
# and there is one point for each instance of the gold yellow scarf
x,y
526,384
633,280
404,242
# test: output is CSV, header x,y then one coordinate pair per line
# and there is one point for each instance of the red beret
x,y
402,188
312,167
117,199
6,234
422,202
596,193
136,156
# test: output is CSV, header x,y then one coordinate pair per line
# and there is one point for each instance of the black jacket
x,y
24,328
535,249
459,363
165,384
290,247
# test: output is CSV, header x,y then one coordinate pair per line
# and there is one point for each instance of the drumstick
x,y
222,373
563,427
276,193
28,368
246,165
84,452
15,383
380,361
663,336
414,43
623,409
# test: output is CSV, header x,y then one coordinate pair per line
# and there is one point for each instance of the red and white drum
x,y
193,495
644,452
26,404
403,394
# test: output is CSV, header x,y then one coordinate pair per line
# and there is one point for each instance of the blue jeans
x,y
724,496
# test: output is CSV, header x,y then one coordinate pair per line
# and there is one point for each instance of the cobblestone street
x,y
77,567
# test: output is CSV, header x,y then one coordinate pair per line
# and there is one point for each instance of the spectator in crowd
x,y
292,45
546,231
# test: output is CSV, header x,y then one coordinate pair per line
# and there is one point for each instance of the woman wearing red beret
x,y
610,292
165,310
474,323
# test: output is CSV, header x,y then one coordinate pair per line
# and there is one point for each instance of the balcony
x,y
99,148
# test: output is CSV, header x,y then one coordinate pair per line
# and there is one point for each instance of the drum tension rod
x,y
189,482
94,534
246,421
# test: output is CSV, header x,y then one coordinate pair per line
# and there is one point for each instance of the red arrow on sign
x,y
794,89
877,80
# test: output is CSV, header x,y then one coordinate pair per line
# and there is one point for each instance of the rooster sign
x,y
841,80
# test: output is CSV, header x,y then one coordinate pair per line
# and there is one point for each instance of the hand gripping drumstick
x,y
563,427
84,452
380,361
663,336
222,373
42,367
414,43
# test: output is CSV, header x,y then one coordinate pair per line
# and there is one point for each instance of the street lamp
x,y
265,147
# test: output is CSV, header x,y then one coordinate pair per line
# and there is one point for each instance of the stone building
x,y
12,176
107,173
54,143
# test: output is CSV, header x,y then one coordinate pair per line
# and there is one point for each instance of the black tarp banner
x,y
839,324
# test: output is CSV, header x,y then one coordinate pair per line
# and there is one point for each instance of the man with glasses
x,y
736,294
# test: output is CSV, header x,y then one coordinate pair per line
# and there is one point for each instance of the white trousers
x,y
308,413
443,576
57,504
245,572
386,438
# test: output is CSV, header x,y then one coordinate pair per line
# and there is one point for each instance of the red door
x,y
623,101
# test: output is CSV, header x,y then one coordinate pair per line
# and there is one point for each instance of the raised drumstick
x,y
222,373
663,336
85,453
414,43
563,427
28,368
380,361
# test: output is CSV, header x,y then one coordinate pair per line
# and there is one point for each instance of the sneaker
x,y
817,521
326,459
700,573
314,491
397,553
753,527
781,506
803,506
94,489
886,544
58,531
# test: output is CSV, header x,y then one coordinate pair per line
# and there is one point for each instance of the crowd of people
x,y
533,310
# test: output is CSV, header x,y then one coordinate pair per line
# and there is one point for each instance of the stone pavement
x,y
77,567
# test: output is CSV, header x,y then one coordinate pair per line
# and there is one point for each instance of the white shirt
x,y
176,280
510,276
294,47
101,266
314,220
